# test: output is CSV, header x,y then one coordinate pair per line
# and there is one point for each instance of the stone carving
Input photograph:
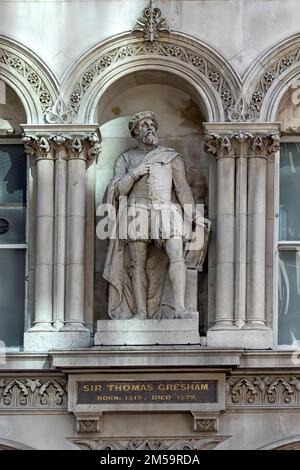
x,y
150,185
24,393
87,425
170,48
263,391
59,113
263,145
86,146
242,111
205,424
28,73
205,443
151,24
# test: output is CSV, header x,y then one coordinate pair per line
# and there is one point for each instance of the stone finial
x,y
151,23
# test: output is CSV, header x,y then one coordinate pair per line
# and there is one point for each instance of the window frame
x,y
22,246
280,245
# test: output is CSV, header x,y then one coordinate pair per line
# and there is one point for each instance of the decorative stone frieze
x,y
174,47
33,393
266,391
205,443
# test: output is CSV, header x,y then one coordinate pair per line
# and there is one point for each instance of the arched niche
x,y
181,112
12,112
30,78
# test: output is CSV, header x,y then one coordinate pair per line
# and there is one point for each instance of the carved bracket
x,y
205,423
89,423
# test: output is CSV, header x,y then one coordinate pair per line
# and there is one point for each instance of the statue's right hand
x,y
141,170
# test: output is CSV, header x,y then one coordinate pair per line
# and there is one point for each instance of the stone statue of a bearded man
x,y
152,180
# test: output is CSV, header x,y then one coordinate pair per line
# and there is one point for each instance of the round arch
x,y
270,77
212,78
6,444
290,443
29,77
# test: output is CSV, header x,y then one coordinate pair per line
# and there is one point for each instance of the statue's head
x,y
143,127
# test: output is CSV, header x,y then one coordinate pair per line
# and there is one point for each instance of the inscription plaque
x,y
156,391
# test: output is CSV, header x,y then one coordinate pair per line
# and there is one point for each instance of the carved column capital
x,y
242,139
219,145
265,145
78,142
37,147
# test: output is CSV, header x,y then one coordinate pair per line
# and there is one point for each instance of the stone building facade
x,y
223,78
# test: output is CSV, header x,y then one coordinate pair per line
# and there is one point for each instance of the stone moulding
x,y
171,48
171,443
34,83
33,393
267,79
263,391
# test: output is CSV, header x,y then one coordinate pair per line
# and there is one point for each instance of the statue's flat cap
x,y
138,117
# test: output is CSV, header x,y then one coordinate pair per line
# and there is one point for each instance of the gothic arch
x,y
6,444
29,77
271,75
213,79
290,443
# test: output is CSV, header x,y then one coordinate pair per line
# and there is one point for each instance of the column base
x,y
256,337
148,332
223,325
43,341
255,324
74,327
39,327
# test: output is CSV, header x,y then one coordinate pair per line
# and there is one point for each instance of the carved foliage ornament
x,y
263,391
23,393
164,48
262,145
151,24
150,444
86,147
19,65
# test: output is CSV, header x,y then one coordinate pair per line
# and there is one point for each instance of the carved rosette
x,y
264,145
35,393
165,48
85,147
263,391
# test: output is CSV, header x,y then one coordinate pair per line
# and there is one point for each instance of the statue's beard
x,y
150,138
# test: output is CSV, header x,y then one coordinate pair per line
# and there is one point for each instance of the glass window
x,y
289,210
12,243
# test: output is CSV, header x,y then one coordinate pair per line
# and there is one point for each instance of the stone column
x,y
221,148
81,151
241,150
60,229
39,148
62,154
263,146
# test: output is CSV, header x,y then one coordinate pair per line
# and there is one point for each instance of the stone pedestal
x,y
147,332
241,338
47,340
